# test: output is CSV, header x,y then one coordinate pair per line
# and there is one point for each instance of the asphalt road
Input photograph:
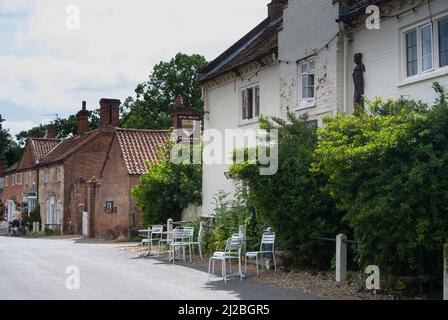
x,y
36,269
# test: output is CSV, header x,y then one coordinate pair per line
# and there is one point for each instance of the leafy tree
x,y
167,188
10,151
389,172
66,127
295,202
153,106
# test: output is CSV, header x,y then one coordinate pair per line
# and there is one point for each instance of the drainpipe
x,y
346,42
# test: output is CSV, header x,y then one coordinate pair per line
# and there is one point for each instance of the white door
x,y
11,210
85,224
52,211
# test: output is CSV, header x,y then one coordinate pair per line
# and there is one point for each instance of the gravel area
x,y
322,284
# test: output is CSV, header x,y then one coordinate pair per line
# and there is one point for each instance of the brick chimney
x,y
109,113
83,120
275,8
51,131
179,109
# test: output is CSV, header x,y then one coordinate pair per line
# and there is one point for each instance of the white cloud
x,y
16,127
116,47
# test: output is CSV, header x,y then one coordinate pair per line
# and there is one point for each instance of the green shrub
x,y
229,214
389,172
167,189
295,202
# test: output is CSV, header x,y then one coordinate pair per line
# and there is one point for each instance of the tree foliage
x,y
66,127
10,151
389,171
295,201
167,189
153,106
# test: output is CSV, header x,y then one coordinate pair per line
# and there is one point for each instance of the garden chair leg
x,y
245,264
200,251
240,269
275,263
257,264
209,267
224,273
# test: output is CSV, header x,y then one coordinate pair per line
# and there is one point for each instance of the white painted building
x,y
309,69
417,39
238,86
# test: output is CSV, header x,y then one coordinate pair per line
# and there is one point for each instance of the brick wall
x,y
80,167
116,185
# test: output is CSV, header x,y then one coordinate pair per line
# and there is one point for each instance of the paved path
x,y
35,269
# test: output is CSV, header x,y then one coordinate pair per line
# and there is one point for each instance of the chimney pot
x,y
83,120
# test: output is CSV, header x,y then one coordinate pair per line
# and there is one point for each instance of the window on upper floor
x,y
307,83
58,173
425,48
250,102
46,175
18,179
26,178
443,42
6,181
34,177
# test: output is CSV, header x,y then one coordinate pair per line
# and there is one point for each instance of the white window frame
x,y
32,204
46,174
305,103
59,173
436,69
6,181
18,178
255,116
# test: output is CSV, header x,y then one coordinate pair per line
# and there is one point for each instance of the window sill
x,y
305,105
243,123
424,76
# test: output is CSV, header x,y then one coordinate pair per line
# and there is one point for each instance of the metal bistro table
x,y
149,231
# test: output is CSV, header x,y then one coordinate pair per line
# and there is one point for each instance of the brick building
x,y
65,171
112,211
20,194
85,182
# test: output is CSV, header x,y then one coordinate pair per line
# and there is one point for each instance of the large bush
x,y
389,171
294,202
167,189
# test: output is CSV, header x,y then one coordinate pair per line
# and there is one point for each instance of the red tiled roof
x,y
41,147
258,43
11,168
139,146
67,146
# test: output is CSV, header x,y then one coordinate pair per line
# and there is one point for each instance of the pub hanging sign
x,y
188,129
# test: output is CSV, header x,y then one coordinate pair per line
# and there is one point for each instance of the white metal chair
x,y
198,241
156,230
180,240
232,252
267,246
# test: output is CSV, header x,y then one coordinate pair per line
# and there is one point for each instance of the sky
x,y
50,61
